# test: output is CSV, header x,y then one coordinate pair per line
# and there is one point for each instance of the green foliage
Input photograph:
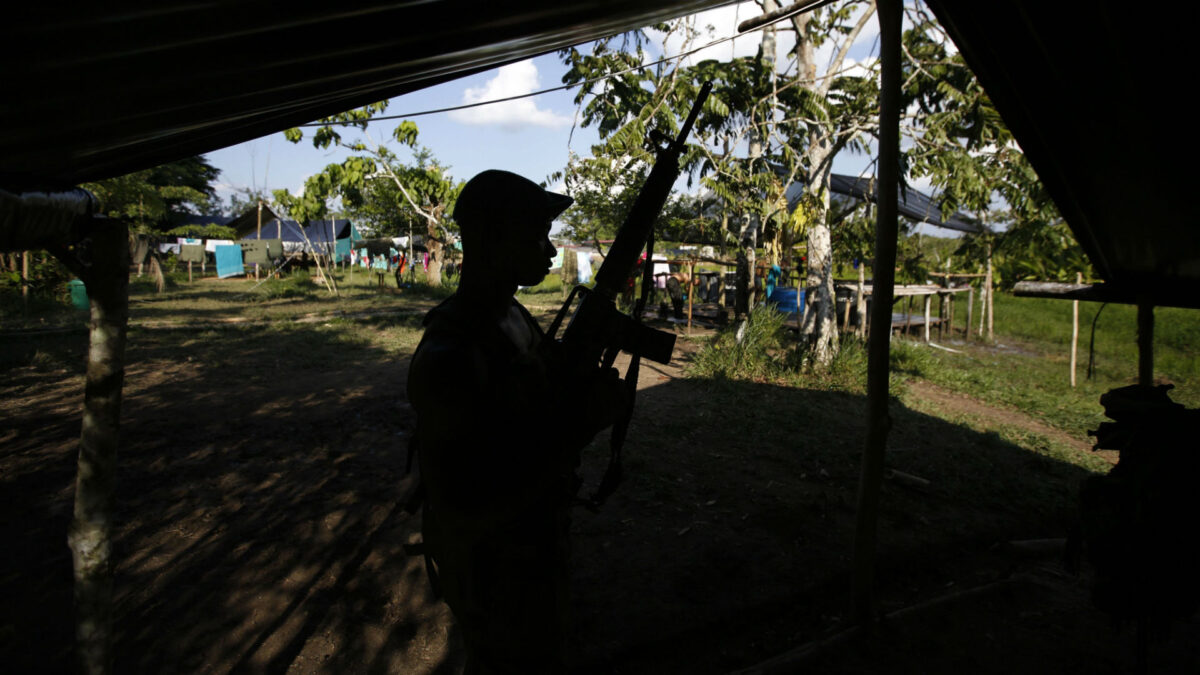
x,y
383,211
152,200
244,199
375,184
292,286
47,285
961,143
751,350
209,231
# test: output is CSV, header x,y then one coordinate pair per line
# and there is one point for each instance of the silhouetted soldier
x,y
499,429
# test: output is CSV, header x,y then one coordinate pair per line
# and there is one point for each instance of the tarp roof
x,y
202,220
319,232
1094,92
104,88
913,204
247,223
1098,95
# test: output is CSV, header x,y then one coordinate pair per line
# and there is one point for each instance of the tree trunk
x,y
748,234
1075,329
820,325
107,283
991,291
435,249
745,266
860,300
25,279
1145,341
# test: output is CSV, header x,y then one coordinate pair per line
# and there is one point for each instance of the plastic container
x,y
784,299
79,294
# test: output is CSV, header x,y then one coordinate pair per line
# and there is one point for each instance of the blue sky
x,y
531,137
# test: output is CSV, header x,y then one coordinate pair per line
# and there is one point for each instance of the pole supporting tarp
x,y
878,347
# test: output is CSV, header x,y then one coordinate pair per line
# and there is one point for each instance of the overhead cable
x,y
765,21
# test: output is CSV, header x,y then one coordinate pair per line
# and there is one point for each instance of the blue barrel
x,y
784,299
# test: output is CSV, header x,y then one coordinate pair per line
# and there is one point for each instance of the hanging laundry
x,y
229,261
254,252
584,261
191,253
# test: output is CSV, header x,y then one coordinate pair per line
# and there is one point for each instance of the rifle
x,y
598,330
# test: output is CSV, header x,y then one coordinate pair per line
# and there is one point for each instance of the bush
x,y
749,350
47,287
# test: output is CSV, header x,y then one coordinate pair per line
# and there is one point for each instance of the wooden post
x,y
887,227
25,278
258,235
928,302
970,310
107,281
907,315
1145,341
845,314
984,291
691,291
860,300
1075,330
950,314
991,292
189,271
941,311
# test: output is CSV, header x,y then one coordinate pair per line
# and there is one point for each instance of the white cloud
x,y
719,23
511,80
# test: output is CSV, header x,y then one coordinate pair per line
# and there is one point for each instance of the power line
x,y
531,94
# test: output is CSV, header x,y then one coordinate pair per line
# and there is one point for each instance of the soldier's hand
x,y
607,399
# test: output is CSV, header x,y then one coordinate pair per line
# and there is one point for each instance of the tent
x,y
322,234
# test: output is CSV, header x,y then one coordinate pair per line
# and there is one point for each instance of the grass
x,y
1029,367
1026,371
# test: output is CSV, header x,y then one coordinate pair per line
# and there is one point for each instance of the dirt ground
x,y
260,528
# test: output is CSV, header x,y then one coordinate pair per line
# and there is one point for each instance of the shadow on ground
x,y
259,507
260,529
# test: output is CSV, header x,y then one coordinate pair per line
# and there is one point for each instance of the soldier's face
x,y
530,252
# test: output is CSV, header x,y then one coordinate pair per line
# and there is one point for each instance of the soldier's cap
x,y
503,195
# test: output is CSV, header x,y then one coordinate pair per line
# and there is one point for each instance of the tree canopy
x,y
156,200
422,190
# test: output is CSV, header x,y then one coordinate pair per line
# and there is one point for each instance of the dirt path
x,y
949,403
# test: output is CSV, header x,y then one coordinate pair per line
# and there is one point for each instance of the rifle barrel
x,y
623,254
